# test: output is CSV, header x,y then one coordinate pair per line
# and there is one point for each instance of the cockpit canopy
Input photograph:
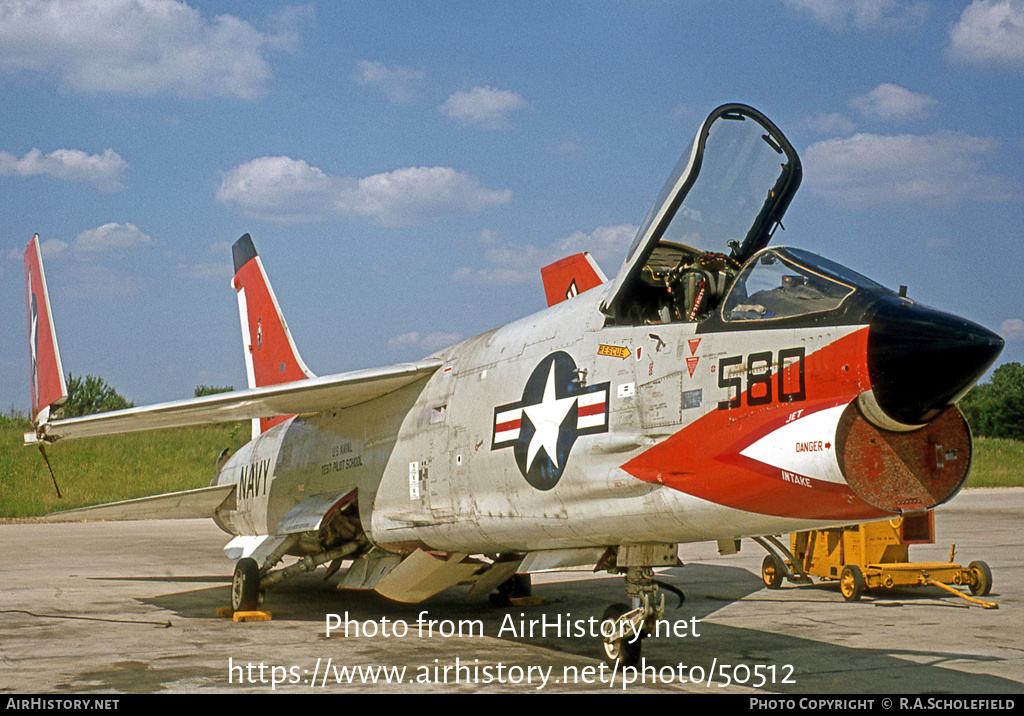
x,y
786,282
720,206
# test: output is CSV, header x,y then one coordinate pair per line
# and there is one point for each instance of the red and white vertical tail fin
x,y
571,276
270,353
49,390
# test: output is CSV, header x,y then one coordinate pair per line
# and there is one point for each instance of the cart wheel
x,y
851,582
772,571
982,582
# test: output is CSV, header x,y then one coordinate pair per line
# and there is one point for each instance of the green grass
x,y
95,470
997,463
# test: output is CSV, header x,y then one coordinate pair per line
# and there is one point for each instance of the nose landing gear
x,y
624,627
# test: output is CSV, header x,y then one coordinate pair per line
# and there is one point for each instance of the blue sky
x,y
406,168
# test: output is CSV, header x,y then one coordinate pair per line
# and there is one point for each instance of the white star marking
x,y
546,417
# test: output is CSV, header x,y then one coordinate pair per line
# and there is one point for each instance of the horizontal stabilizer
x,y
331,392
189,504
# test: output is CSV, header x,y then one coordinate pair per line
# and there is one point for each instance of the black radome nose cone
x,y
921,360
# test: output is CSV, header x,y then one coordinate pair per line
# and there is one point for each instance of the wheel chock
x,y
253,616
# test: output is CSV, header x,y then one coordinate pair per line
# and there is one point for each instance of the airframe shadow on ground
x,y
130,607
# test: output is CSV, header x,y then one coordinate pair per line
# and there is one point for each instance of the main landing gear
x,y
517,586
245,586
250,581
339,537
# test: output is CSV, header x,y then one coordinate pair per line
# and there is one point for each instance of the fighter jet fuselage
x,y
716,388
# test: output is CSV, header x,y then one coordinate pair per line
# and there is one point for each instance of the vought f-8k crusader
x,y
716,388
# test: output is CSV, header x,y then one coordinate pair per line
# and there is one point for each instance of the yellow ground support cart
x,y
870,556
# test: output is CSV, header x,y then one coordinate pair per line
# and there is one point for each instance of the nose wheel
x,y
620,643
623,627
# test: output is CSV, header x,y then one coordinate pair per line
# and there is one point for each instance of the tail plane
x,y
271,357
49,390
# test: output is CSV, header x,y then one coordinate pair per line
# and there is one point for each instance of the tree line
x,y
996,409
92,394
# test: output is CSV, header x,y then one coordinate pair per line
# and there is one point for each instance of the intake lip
x,y
921,360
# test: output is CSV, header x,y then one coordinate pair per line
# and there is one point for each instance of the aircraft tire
x,y
621,649
518,585
982,583
851,583
522,585
245,585
772,571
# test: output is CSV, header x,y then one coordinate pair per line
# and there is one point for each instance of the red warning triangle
x,y
691,364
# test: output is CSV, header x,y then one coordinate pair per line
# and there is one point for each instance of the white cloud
x,y
509,264
97,255
96,281
1012,329
605,243
219,248
104,170
285,189
438,340
569,147
52,248
136,47
411,338
990,32
278,189
111,237
215,268
890,101
681,111
413,194
865,14
284,26
397,83
483,106
431,342
89,243
830,123
204,271
868,169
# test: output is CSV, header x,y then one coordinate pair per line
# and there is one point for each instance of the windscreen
x,y
778,284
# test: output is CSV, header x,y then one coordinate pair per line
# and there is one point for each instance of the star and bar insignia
x,y
556,408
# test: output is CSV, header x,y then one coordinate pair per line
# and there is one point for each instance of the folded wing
x,y
332,392
280,384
